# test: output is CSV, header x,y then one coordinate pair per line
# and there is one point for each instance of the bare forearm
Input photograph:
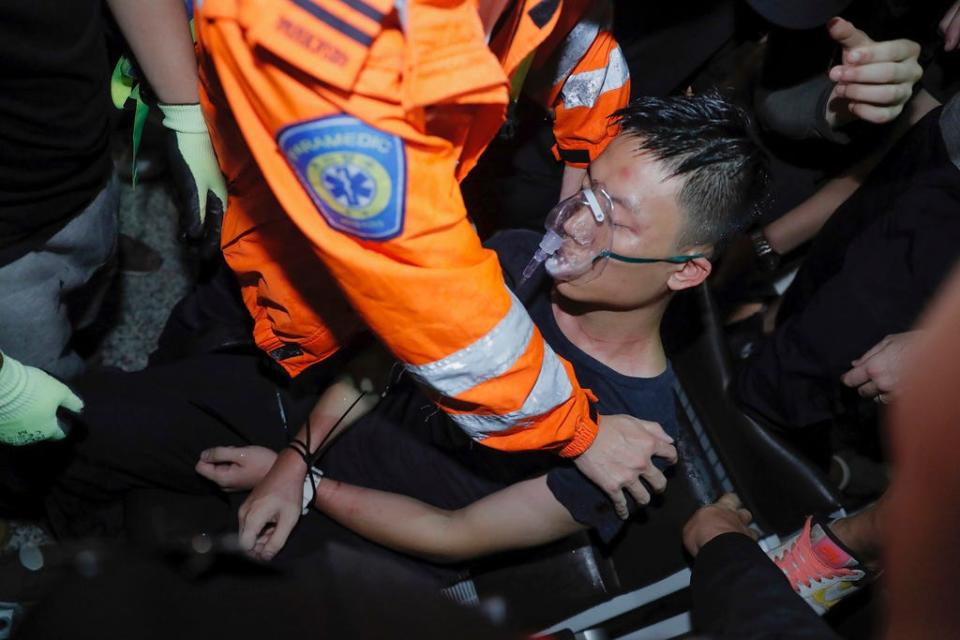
x,y
804,221
390,519
571,182
522,515
159,35
340,405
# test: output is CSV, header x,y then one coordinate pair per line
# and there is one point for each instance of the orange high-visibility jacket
x,y
344,127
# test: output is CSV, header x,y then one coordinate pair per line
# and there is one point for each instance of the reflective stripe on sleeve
x,y
584,89
490,356
552,389
571,50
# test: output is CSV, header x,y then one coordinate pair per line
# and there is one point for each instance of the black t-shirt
x,y
54,117
407,445
644,398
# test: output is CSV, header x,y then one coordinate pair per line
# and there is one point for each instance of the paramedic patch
x,y
355,174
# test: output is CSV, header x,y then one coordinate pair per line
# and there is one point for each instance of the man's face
x,y
647,221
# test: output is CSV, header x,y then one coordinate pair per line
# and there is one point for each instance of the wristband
x,y
310,482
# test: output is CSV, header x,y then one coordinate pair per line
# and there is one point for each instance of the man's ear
x,y
691,274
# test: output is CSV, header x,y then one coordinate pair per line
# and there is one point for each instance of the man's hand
x,y
273,508
726,515
876,374
236,468
200,187
29,400
875,80
621,454
950,27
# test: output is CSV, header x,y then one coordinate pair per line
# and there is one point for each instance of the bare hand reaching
x,y
875,80
235,468
621,454
876,374
726,515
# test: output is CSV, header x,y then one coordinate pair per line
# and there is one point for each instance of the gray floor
x,y
145,300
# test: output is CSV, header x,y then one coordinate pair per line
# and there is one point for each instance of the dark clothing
x,y
739,593
101,592
868,274
146,429
406,431
645,398
54,118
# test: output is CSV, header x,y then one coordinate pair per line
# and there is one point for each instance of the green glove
x,y
200,187
29,399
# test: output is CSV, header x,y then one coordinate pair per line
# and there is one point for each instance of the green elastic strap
x,y
670,259
123,87
139,119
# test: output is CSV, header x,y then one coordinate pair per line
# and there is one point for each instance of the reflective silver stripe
x,y
572,49
578,41
483,360
583,89
551,390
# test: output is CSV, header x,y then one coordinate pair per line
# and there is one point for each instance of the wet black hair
x,y
710,142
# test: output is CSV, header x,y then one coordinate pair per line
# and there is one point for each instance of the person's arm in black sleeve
x,y
739,593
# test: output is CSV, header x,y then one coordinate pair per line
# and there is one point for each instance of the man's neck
x,y
627,341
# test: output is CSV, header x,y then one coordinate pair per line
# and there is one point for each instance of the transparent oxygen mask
x,y
579,229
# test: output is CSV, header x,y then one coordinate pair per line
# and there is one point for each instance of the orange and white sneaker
x,y
820,569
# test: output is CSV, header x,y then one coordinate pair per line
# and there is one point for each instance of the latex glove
x,y
29,399
200,186
875,80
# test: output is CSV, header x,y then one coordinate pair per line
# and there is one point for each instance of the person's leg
x,y
210,318
145,430
36,290
862,533
866,279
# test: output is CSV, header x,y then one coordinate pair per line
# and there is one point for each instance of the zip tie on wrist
x,y
301,448
311,481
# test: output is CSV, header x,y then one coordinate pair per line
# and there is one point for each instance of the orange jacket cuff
x,y
580,158
583,437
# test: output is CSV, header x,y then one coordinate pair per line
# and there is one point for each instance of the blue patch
x,y
355,174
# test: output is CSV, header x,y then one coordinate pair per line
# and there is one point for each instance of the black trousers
x,y
145,431
869,273
133,451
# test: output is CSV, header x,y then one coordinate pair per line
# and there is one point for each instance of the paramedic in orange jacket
x,y
344,127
